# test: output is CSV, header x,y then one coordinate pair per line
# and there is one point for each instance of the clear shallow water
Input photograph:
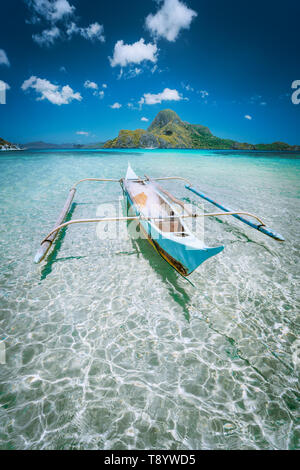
x,y
108,348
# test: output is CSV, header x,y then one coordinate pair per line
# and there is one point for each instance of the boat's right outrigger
x,y
261,226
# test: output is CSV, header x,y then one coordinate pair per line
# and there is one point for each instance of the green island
x,y
168,131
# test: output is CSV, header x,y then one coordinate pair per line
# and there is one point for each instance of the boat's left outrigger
x,y
47,242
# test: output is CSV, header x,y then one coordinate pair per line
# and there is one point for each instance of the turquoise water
x,y
106,347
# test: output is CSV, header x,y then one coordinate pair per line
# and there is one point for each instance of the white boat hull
x,y
181,249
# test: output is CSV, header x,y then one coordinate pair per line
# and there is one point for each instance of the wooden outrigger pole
x,y
154,219
46,243
59,224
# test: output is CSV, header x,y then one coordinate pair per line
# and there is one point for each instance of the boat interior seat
x,y
170,226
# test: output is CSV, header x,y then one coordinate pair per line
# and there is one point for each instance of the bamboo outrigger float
x,y
156,211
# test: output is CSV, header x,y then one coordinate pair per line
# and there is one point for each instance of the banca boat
x,y
161,218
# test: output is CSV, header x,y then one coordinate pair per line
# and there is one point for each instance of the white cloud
x,y
116,106
170,19
134,72
132,106
166,95
104,85
56,10
144,119
46,37
94,86
125,54
89,84
187,87
204,94
255,98
92,32
4,86
248,117
53,93
3,58
53,10
82,133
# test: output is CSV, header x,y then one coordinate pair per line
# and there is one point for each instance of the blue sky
x,y
79,71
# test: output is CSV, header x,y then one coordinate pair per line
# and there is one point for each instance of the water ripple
x,y
108,348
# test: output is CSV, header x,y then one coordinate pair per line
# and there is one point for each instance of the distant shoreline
x,y
108,150
11,150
